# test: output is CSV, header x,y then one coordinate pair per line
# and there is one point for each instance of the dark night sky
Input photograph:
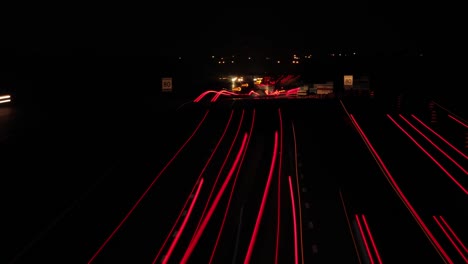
x,y
170,29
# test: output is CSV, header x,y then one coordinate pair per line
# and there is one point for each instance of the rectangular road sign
x,y
167,84
348,82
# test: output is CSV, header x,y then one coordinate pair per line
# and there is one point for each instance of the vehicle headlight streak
x,y
5,99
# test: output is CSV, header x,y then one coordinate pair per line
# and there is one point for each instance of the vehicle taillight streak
x,y
194,242
395,186
434,144
233,187
439,136
195,185
262,206
148,189
453,240
430,156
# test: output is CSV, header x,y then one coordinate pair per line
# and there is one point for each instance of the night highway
x,y
254,179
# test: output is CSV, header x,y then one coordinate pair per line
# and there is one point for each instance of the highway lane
x,y
78,205
244,212
420,177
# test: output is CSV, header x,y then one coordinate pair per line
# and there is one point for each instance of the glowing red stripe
x,y
207,218
278,217
296,255
262,206
435,145
451,240
442,138
232,189
219,93
458,121
184,223
147,190
401,194
364,239
349,227
371,239
219,173
298,190
212,154
215,97
454,235
199,177
202,95
429,155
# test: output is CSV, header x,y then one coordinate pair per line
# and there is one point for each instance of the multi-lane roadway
x,y
276,179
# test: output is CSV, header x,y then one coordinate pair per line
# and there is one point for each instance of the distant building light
x,y
212,57
232,61
180,58
250,58
278,62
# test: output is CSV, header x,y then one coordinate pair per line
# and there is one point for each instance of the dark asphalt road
x,y
73,176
